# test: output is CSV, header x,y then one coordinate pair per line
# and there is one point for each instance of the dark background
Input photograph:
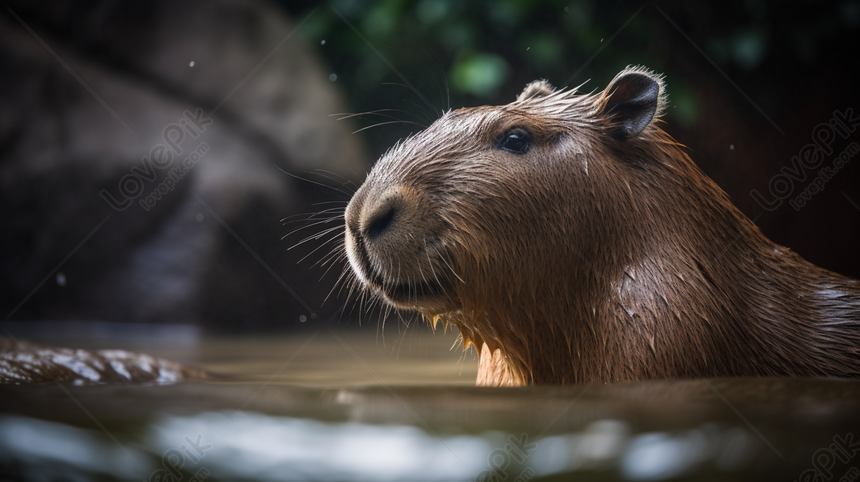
x,y
796,60
729,66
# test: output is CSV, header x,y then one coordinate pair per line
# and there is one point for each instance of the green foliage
x,y
457,53
479,74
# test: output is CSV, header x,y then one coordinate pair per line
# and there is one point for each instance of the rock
x,y
74,182
24,362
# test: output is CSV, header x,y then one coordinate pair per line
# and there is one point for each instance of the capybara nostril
x,y
379,222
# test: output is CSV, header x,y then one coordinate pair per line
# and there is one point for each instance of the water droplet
x,y
732,147
566,9
332,77
303,318
527,48
191,64
601,40
61,279
199,217
322,43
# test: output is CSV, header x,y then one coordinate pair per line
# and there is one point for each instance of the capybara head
x,y
494,193
557,232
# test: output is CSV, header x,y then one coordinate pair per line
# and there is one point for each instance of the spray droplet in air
x,y
61,279
303,318
191,64
322,43
332,77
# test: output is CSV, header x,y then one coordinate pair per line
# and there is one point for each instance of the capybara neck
x,y
571,240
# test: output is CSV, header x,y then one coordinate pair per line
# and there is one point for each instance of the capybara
x,y
570,239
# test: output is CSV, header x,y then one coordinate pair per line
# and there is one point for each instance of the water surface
x,y
346,404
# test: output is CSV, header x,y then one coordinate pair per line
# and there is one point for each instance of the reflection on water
x,y
659,455
38,450
255,446
285,448
346,405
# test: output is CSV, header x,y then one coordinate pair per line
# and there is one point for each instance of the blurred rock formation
x,y
90,95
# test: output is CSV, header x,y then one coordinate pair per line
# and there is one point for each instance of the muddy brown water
x,y
346,404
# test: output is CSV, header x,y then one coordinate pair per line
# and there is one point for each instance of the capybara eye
x,y
516,141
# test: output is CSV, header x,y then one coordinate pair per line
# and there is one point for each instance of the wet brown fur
x,y
590,258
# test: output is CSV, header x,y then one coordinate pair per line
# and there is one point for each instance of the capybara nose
x,y
379,221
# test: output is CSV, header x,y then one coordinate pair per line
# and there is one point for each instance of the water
x,y
342,405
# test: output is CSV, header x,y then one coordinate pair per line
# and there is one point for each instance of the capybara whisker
x,y
317,183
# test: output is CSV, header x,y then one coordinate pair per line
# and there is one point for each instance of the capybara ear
x,y
631,101
537,88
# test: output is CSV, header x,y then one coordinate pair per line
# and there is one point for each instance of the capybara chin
x,y
570,239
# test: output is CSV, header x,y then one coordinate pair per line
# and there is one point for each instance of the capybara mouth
x,y
410,294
